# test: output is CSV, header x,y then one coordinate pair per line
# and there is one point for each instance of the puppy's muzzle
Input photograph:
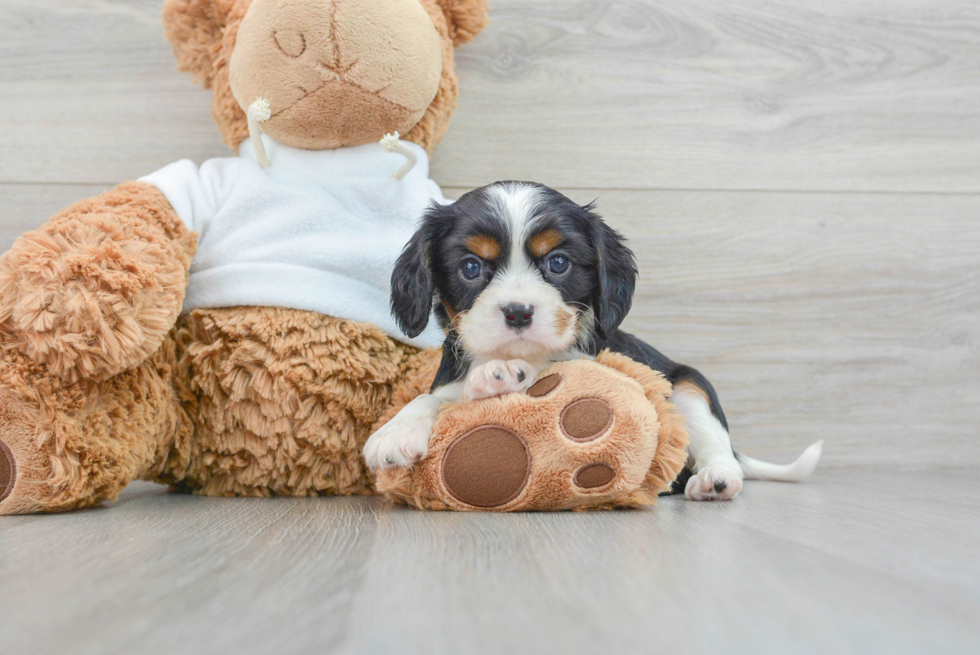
x,y
518,316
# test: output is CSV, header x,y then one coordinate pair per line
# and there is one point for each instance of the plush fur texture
x,y
264,402
644,446
282,401
75,445
94,291
204,36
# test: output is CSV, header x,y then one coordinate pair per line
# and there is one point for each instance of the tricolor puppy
x,y
520,277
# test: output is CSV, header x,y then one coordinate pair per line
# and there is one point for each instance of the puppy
x,y
520,277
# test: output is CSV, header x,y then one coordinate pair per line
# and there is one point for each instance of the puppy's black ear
x,y
412,282
616,271
411,286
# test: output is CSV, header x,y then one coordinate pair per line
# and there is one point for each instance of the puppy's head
x,y
516,270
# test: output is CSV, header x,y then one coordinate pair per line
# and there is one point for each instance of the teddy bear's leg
x,y
283,400
71,445
86,303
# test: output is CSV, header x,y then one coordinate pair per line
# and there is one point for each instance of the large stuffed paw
x,y
584,435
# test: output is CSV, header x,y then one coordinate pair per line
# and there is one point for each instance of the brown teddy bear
x,y
258,391
225,329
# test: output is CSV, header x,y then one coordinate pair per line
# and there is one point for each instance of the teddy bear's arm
x,y
95,290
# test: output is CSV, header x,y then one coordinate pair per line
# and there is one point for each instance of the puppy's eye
x,y
471,268
558,264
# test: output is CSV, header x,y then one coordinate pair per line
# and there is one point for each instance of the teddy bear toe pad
x,y
592,476
486,467
8,471
586,419
544,386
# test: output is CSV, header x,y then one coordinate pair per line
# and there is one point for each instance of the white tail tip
x,y
801,469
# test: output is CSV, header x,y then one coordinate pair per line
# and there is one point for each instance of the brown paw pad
x,y
486,467
591,476
586,419
8,471
544,386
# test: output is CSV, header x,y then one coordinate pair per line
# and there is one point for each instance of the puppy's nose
x,y
517,316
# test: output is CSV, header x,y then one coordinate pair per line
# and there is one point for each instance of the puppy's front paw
x,y
714,482
402,441
498,377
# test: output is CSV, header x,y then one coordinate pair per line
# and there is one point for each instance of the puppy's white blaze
x,y
516,204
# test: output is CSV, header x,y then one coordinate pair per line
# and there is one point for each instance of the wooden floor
x,y
852,562
801,184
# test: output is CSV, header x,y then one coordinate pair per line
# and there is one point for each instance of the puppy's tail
x,y
754,469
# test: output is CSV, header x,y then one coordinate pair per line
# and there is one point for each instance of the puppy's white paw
x,y
498,377
714,482
403,440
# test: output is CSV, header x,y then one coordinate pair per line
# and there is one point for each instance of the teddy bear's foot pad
x,y
8,471
487,467
592,476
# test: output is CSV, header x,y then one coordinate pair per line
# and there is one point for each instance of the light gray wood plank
x,y
158,573
93,94
747,94
850,562
691,579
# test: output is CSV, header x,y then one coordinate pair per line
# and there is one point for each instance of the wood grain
x,y
851,562
747,94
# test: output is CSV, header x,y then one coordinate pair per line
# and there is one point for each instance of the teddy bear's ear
x,y
195,29
466,18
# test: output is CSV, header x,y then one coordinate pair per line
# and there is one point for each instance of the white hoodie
x,y
317,230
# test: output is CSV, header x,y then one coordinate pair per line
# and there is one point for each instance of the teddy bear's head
x,y
335,72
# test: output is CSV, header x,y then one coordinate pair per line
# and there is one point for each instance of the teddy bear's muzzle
x,y
338,114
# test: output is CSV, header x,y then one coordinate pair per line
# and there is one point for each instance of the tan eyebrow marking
x,y
484,246
544,242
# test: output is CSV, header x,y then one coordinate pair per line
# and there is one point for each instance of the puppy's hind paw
x,y
714,483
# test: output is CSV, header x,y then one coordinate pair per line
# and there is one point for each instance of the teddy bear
x,y
224,328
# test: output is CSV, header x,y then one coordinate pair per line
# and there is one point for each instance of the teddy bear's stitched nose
x,y
291,42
